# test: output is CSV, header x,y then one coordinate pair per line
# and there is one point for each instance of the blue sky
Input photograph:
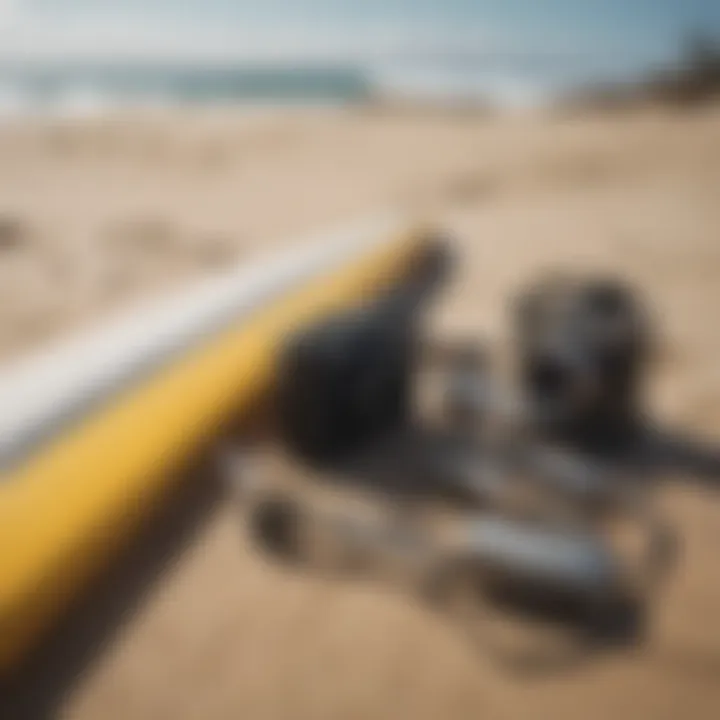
x,y
607,35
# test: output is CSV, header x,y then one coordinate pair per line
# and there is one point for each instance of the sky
x,y
608,35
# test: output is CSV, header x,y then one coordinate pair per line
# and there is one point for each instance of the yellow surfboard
x,y
71,501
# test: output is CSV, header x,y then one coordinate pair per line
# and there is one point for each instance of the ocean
x,y
84,88
78,88
289,52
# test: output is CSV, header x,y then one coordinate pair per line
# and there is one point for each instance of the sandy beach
x,y
98,214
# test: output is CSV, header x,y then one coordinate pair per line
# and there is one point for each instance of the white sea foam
x,y
504,90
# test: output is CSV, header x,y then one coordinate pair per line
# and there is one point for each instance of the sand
x,y
95,215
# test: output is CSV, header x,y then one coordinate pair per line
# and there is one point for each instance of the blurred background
x,y
78,57
144,144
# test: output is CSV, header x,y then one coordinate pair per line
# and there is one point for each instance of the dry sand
x,y
98,214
